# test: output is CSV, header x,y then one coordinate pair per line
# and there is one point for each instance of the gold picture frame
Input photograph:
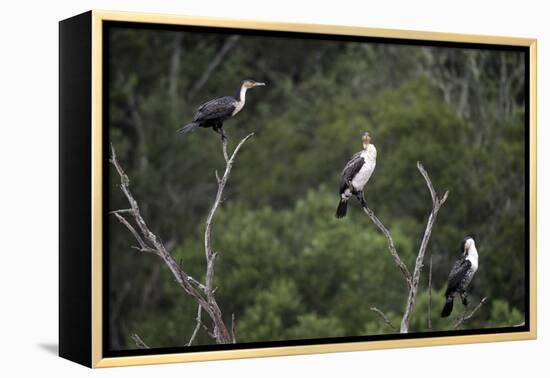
x,y
94,21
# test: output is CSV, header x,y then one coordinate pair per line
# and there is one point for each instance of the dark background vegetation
x,y
286,267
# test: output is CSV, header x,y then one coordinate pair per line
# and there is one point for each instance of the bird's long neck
x,y
369,150
472,256
242,94
472,251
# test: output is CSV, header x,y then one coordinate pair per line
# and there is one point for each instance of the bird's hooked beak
x,y
247,84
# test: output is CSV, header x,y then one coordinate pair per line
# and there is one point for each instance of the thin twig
x,y
225,154
383,317
196,283
143,247
139,342
391,245
120,211
197,327
465,318
233,329
413,290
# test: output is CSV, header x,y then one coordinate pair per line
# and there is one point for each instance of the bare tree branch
x,y
148,241
391,246
121,211
465,317
383,317
209,253
414,280
197,327
181,276
436,203
143,247
233,328
225,155
139,342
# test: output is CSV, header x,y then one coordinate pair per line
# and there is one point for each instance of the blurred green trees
x,y
287,268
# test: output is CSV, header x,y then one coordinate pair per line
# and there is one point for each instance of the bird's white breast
x,y
238,106
364,174
473,258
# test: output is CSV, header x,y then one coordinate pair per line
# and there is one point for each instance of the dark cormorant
x,y
214,112
355,175
461,275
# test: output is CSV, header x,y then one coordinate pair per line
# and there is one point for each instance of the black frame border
x,y
108,25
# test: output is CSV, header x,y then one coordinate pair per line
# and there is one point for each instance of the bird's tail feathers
x,y
188,128
342,209
448,308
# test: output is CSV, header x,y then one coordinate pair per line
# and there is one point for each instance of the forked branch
x,y
414,279
391,246
465,318
384,318
436,205
147,241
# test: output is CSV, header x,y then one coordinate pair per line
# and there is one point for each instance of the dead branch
x,y
436,205
414,280
139,342
142,246
465,318
225,156
233,329
383,317
209,253
197,327
391,246
203,294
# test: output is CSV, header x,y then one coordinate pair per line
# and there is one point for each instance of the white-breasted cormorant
x,y
355,175
461,275
214,112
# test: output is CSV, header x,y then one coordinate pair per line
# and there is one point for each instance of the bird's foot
x,y
361,197
222,132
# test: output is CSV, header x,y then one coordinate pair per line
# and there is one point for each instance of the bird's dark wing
x,y
350,170
460,268
217,108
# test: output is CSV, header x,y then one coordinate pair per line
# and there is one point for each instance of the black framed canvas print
x,y
235,189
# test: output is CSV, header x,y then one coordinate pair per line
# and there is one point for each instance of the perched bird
x,y
214,112
355,175
461,275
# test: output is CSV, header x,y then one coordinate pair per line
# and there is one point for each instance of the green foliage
x,y
286,267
